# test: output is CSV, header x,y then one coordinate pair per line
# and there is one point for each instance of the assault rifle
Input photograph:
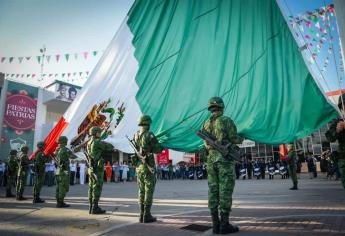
x,y
141,157
226,150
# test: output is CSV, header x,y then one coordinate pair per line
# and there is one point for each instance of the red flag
x,y
51,140
283,151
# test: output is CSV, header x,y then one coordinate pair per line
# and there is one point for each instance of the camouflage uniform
x,y
147,144
11,172
63,155
39,169
292,161
221,172
95,147
23,165
332,135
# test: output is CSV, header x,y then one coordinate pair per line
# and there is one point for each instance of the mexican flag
x,y
169,57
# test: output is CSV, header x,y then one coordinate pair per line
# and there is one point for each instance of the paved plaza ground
x,y
261,207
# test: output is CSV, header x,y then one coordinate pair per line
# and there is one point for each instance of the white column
x,y
120,156
40,117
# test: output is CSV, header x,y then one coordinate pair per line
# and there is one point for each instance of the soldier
x,y
39,170
23,165
95,146
11,172
147,144
292,165
63,154
221,173
337,132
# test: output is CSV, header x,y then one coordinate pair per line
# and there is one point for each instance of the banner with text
x,y
18,126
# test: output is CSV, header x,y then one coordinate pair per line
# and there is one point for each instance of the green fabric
x,y
240,50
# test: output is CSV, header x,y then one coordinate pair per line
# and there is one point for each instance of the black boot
x,y
148,218
294,187
215,220
225,226
37,199
61,204
96,210
141,216
21,198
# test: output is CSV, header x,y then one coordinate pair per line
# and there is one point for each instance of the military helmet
x,y
24,149
215,102
40,144
13,152
144,120
62,140
341,101
94,130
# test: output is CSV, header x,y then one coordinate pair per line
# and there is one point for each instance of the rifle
x,y
88,160
226,150
141,157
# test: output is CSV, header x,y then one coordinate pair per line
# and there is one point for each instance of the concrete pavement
x,y
261,207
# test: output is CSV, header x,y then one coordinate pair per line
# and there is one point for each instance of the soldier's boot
x,y
9,194
142,209
215,220
21,198
96,210
148,218
294,187
61,204
37,199
225,226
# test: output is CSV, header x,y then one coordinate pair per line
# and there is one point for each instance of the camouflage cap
x,y
215,102
13,152
24,149
144,120
94,130
62,140
40,144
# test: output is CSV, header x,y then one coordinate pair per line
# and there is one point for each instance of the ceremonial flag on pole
x,y
170,57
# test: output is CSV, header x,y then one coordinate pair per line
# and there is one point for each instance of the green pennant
x,y
11,59
63,75
66,57
94,53
80,73
39,59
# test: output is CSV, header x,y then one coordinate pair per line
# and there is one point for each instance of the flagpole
x,y
43,53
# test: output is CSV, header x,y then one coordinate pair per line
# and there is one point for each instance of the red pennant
x,y
85,54
57,57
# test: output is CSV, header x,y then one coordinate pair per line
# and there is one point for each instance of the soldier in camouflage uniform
x,y
147,144
95,146
11,172
337,132
39,170
63,155
221,172
23,165
292,162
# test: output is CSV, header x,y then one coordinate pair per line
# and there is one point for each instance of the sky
x,y
64,26
78,26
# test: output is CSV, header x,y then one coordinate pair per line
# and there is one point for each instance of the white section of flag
x,y
114,78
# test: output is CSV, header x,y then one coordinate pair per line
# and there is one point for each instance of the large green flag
x,y
170,57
